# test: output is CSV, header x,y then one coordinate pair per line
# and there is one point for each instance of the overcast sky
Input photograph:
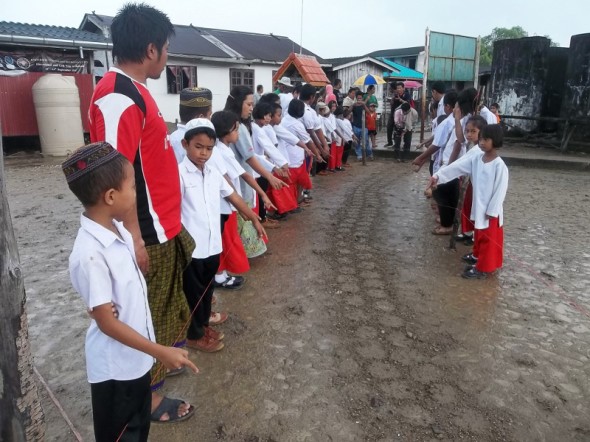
x,y
337,28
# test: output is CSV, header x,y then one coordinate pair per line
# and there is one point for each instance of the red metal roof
x,y
307,66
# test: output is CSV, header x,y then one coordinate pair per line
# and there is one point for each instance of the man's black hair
x,y
352,89
260,110
493,132
405,107
259,88
296,108
438,86
359,93
450,98
135,26
400,83
307,91
467,100
270,98
224,122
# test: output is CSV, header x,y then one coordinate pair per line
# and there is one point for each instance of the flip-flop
x,y
170,406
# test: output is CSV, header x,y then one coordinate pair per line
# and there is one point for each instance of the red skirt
x,y
299,177
339,154
233,257
283,198
333,155
489,247
466,223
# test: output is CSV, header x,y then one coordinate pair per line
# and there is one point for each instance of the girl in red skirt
x,y
489,176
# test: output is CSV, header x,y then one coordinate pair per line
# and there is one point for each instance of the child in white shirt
x,y
121,347
201,188
489,176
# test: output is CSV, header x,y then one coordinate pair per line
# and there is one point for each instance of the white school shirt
x,y
234,172
176,142
328,128
270,133
344,129
296,155
489,181
488,115
285,100
440,110
285,137
200,206
311,119
442,135
335,136
446,154
103,270
263,145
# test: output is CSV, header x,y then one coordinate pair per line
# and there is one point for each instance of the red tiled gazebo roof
x,y
307,66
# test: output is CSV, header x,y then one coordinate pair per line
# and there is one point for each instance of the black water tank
x,y
519,72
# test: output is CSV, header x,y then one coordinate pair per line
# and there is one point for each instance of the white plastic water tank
x,y
57,105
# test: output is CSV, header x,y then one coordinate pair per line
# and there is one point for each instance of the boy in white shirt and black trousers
x,y
201,187
120,347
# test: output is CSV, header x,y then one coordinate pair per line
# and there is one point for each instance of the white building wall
x,y
213,76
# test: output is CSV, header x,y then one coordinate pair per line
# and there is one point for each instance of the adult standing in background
x,y
258,94
400,96
337,92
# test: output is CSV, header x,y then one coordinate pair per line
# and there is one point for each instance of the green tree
x,y
487,42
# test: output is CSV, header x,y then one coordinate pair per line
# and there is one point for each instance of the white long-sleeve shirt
x,y
490,183
264,146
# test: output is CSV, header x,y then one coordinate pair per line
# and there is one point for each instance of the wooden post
x,y
21,416
424,85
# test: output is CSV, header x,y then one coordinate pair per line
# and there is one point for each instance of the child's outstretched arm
x,y
172,358
247,213
254,185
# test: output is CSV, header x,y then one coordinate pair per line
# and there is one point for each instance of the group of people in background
x,y
169,218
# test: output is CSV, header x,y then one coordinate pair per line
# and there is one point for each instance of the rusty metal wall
x,y
17,111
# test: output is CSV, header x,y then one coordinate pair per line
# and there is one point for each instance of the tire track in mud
x,y
395,369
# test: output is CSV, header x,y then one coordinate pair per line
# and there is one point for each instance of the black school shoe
x,y
231,283
469,258
473,273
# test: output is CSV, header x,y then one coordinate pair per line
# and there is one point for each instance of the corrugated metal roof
x,y
395,53
221,43
306,65
49,32
268,47
189,41
400,71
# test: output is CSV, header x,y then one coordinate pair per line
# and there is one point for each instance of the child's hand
x,y
261,232
432,182
457,112
280,172
174,358
268,203
276,183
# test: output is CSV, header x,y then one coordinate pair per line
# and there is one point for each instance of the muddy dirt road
x,y
356,325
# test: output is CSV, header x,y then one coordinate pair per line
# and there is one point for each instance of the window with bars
x,y
180,77
241,77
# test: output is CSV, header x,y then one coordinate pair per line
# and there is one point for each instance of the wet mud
x,y
356,325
